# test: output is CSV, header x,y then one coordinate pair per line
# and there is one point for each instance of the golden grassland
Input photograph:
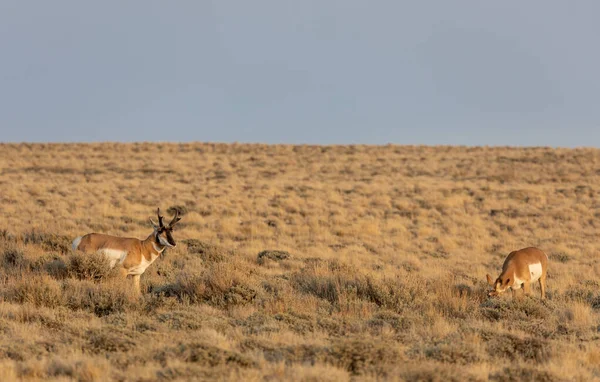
x,y
381,274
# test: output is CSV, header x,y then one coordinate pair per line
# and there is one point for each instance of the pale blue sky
x,y
322,72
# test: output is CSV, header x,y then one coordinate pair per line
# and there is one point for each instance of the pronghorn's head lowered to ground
x,y
520,269
132,255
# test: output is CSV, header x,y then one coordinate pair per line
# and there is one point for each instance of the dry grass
x,y
299,263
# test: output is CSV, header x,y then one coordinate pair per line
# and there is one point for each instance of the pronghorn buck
x,y
520,269
132,255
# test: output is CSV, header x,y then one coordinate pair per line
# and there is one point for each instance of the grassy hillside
x,y
382,274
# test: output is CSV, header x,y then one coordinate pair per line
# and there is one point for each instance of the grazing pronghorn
x,y
133,255
520,269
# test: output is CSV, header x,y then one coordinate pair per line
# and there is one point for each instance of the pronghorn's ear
x,y
489,280
154,225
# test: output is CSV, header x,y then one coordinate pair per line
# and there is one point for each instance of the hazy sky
x,y
419,72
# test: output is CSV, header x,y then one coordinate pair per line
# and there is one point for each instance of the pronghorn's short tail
x,y
76,243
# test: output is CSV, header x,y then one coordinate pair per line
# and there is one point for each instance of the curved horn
x,y
176,218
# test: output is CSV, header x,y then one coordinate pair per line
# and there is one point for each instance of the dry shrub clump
x,y
100,298
515,374
56,368
529,315
455,352
48,241
89,266
219,285
338,283
300,263
203,354
436,372
272,255
587,291
207,252
517,348
102,341
358,356
38,290
13,257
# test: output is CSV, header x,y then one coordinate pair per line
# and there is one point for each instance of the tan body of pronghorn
x,y
132,255
520,269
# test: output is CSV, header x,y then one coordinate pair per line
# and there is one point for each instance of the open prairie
x,y
380,274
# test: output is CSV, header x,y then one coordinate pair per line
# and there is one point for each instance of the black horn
x,y
176,218
160,218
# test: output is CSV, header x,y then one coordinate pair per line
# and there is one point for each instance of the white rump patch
x,y
535,270
114,255
76,243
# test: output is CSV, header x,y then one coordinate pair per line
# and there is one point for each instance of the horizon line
x,y
254,143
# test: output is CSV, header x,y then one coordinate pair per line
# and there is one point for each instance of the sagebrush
x,y
299,263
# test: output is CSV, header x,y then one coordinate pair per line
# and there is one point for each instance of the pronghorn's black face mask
x,y
163,232
164,237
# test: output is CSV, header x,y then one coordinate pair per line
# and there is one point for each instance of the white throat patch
x,y
157,249
164,242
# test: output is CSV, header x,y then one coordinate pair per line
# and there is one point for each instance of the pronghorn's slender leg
x,y
514,293
136,283
527,288
135,279
543,286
